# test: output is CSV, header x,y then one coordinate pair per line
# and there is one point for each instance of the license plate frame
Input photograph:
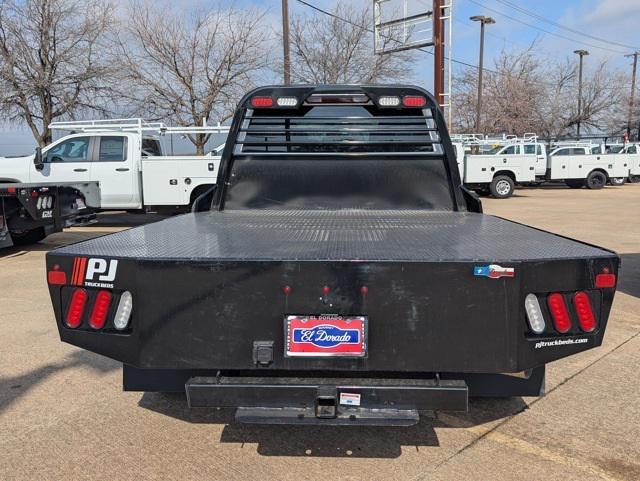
x,y
325,336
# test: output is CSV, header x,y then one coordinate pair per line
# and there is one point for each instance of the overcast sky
x,y
616,22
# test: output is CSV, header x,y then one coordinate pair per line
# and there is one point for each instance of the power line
x,y
545,31
337,17
564,27
459,62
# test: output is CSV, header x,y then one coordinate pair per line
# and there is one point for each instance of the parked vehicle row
x,y
528,162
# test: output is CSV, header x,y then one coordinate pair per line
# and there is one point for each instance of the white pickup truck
x,y
578,167
126,159
498,173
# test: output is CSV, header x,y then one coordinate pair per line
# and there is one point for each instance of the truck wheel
x,y
596,180
634,179
29,237
617,180
502,187
575,183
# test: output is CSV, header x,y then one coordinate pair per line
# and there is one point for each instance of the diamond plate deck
x,y
272,235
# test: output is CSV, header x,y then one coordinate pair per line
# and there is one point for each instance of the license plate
x,y
326,336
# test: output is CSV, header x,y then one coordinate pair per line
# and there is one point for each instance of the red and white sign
x,y
325,336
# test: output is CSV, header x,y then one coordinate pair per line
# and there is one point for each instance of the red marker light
x,y
100,310
558,308
286,290
364,290
76,308
605,281
414,101
261,102
326,290
56,277
586,319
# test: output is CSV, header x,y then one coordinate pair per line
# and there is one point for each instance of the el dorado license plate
x,y
326,336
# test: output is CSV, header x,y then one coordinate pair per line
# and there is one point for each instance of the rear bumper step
x,y
327,400
345,416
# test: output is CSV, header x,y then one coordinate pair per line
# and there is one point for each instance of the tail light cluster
x,y
410,101
96,308
562,309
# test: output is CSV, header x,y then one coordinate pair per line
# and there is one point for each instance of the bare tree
x,y
525,93
194,66
53,61
339,49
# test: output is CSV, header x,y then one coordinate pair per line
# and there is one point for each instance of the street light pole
x,y
581,53
483,20
285,42
633,92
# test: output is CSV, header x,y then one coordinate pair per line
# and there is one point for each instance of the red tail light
x,y
414,101
76,308
586,319
56,276
100,310
605,281
559,312
261,102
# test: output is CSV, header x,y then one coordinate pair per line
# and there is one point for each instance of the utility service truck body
x,y
518,162
127,161
577,166
339,273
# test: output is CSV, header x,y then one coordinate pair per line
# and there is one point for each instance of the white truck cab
x,y
125,159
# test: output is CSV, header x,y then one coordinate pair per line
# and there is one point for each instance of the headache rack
x,y
387,132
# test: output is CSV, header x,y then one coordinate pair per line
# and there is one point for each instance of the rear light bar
x,y
100,310
76,308
582,304
338,98
559,312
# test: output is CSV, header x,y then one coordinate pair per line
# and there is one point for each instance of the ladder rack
x,y
138,125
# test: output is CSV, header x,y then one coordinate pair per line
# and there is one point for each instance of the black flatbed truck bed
x,y
31,211
441,287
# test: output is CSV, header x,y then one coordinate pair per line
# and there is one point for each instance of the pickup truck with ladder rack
x,y
339,273
126,157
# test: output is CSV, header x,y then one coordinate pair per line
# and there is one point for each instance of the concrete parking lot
x,y
63,414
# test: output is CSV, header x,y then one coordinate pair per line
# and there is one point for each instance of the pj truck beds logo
x,y
93,272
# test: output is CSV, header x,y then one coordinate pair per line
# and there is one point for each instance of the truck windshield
x,y
339,157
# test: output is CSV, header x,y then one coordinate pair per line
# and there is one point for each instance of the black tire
x,y
617,180
29,237
634,179
575,183
596,180
502,187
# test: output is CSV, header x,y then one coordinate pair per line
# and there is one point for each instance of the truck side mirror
x,y
37,159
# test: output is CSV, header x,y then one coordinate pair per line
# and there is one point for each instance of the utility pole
x,y
581,53
285,42
633,92
438,52
483,20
